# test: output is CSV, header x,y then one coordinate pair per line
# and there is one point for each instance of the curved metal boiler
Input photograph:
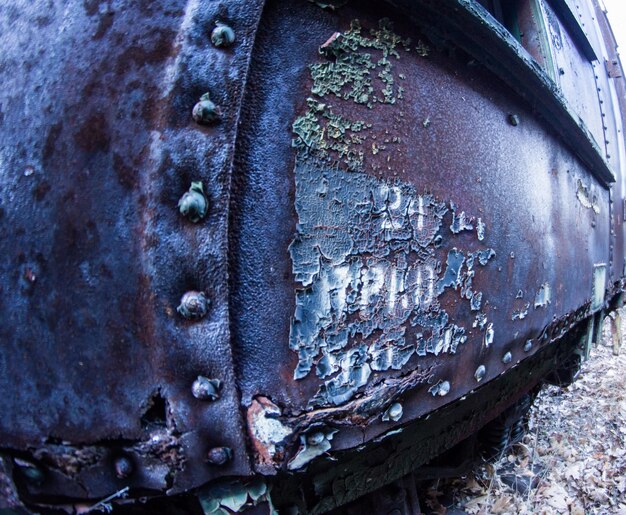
x,y
396,219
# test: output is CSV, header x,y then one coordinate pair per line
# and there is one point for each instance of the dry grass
x,y
574,453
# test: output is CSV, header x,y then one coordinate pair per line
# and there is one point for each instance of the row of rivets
x,y
122,465
194,206
481,371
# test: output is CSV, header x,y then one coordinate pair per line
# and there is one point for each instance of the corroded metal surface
x,y
239,236
449,138
99,144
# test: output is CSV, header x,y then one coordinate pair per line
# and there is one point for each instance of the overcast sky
x,y
616,10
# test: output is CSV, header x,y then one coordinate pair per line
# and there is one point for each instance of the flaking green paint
x,y
365,250
359,68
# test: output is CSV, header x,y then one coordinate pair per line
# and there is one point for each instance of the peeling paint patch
x,y
543,296
460,221
521,314
488,337
364,253
480,229
320,130
599,287
359,68
313,444
267,432
587,198
480,321
452,277
234,496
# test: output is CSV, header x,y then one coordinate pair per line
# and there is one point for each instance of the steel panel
x,y
519,179
109,379
99,145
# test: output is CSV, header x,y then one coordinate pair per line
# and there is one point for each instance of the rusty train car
x,y
270,255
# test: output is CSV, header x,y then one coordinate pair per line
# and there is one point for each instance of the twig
x,y
105,503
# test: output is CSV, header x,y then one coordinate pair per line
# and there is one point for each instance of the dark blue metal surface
x,y
394,212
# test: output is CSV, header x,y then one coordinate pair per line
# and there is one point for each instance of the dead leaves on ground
x,y
574,454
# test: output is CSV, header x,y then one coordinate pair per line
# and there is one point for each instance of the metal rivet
x,y
394,412
205,112
528,346
123,467
480,373
507,358
222,36
219,455
194,204
31,472
444,388
441,388
206,389
193,305
514,120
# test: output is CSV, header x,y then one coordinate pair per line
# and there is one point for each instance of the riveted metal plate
x,y
370,238
443,146
99,144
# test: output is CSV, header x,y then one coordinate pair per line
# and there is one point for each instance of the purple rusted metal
x,y
237,237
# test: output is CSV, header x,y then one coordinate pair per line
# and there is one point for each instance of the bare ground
x,y
571,461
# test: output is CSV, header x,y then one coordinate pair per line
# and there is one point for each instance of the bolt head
x,y
205,112
514,120
444,389
507,358
222,36
479,375
394,412
219,455
206,389
193,305
194,204
528,345
123,467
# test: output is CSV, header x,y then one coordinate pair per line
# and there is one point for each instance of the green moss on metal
x,y
365,249
349,71
320,130
359,68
